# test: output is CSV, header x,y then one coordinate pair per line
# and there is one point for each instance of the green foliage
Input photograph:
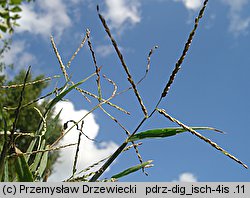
x,y
9,14
4,47
64,92
133,169
11,96
30,131
32,92
22,168
162,133
29,118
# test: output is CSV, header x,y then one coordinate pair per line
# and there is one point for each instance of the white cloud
x,y
236,5
186,177
104,50
75,1
44,17
90,151
191,4
121,12
238,24
18,55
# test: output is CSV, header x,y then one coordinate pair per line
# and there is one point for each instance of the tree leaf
x,y
3,27
16,9
4,14
15,17
15,2
3,3
132,169
161,133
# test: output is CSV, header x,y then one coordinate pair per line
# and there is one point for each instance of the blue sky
x,y
211,89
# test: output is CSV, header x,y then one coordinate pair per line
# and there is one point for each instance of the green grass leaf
x,y
132,169
66,91
38,157
6,170
43,163
162,133
53,124
22,168
31,147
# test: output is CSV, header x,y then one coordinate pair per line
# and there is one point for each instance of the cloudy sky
x,y
212,88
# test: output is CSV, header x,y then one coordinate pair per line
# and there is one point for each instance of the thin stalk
x,y
34,101
45,150
164,93
5,149
146,72
97,70
127,133
10,143
213,144
17,112
108,162
76,155
114,155
59,59
76,123
77,50
104,159
129,77
109,103
66,76
29,83
184,52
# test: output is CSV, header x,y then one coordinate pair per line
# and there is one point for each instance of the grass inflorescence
x,y
39,148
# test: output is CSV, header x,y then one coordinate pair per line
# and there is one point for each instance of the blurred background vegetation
x,y
29,118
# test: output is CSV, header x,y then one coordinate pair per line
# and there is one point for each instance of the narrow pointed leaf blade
x,y
6,170
65,92
132,169
43,163
22,168
162,133
53,124
30,148
38,157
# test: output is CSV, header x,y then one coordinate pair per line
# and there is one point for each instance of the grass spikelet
x,y
184,52
129,77
59,59
213,144
77,50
